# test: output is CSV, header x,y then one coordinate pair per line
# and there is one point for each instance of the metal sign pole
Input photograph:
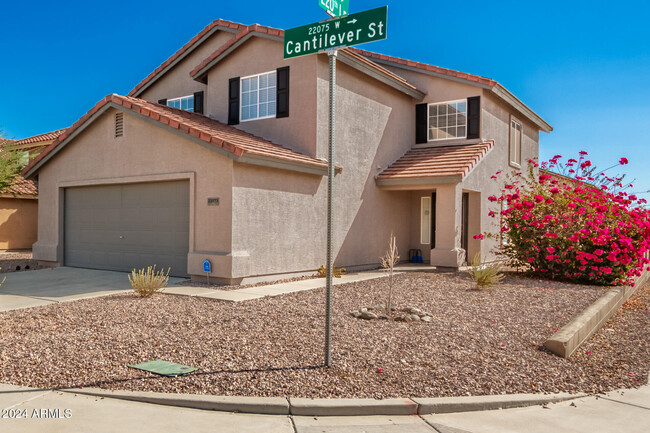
x,y
330,211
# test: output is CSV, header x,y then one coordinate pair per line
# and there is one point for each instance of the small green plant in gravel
x,y
336,272
485,274
146,282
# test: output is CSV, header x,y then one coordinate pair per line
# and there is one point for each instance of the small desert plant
x,y
485,274
388,261
145,282
336,272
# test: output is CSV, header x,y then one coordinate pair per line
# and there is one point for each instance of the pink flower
x,y
479,236
550,250
623,161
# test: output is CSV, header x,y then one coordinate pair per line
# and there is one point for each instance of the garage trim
x,y
190,176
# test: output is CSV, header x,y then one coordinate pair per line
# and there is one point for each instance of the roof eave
x,y
33,170
353,62
511,99
413,183
182,56
201,74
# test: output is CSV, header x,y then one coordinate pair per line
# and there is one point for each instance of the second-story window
x,y
184,103
448,120
515,143
258,96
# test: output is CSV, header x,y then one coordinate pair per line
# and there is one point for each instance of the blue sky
x,y
584,66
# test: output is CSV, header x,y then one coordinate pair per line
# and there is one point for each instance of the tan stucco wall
x,y
177,82
256,56
18,223
145,153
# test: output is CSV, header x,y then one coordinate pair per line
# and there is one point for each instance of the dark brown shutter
x,y
421,123
198,102
282,100
162,101
233,101
474,117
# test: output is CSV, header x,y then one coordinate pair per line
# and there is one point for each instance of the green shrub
x,y
145,282
485,274
337,272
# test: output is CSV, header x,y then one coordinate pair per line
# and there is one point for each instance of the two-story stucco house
x,y
220,154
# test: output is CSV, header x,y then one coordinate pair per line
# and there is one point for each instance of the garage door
x,y
122,227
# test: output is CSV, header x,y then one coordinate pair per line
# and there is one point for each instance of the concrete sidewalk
x,y
28,410
277,289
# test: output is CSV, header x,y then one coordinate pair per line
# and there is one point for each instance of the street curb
x,y
567,340
352,406
428,406
259,405
330,406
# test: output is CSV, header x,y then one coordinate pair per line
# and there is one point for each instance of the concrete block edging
x,y
330,407
567,340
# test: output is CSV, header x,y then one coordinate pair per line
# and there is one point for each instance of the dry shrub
x,y
336,272
485,274
146,282
388,262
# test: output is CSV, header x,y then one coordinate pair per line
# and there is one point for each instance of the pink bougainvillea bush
x,y
569,228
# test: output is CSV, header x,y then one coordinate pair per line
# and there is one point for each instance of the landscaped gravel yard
x,y
479,342
17,261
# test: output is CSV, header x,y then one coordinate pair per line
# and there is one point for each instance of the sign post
x,y
328,36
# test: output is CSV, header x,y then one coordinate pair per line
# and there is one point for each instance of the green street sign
x,y
335,8
359,28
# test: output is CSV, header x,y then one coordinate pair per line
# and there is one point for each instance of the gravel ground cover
x,y
17,261
479,342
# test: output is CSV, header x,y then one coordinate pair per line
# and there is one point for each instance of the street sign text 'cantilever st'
x,y
336,33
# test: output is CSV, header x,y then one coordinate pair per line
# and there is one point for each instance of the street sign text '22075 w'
x,y
342,32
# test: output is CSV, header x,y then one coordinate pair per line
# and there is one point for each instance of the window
x,y
184,103
448,120
425,221
515,143
258,94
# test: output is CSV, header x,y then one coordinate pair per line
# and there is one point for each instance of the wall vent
x,y
119,124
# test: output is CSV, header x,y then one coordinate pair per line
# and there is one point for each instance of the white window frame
x,y
257,104
180,99
515,160
430,140
425,220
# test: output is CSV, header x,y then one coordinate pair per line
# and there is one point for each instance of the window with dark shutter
x,y
474,117
282,90
162,101
233,101
198,102
421,121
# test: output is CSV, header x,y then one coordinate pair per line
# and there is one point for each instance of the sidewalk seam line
x,y
29,399
625,403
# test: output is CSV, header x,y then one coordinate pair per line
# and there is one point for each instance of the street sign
x,y
336,33
335,8
207,268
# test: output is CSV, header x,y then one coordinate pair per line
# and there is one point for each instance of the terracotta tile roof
x,y
372,64
21,188
190,44
41,137
228,138
437,161
443,71
255,28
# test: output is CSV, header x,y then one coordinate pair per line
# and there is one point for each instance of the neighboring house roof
x,y
232,142
186,49
488,83
21,188
41,137
434,165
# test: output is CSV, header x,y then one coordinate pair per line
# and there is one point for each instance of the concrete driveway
x,y
48,286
